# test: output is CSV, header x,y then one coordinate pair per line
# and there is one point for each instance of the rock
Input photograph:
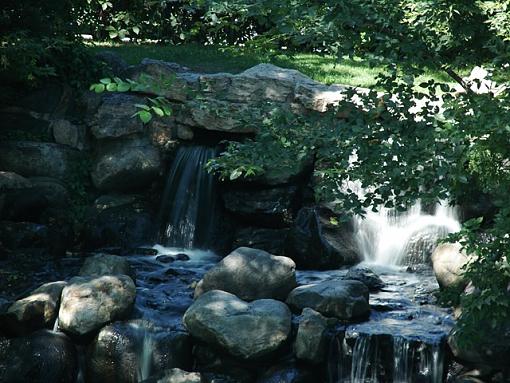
x,y
126,226
447,261
114,116
270,240
288,373
217,115
53,190
316,243
422,243
341,299
88,303
165,258
39,309
13,181
116,355
18,235
173,81
182,257
176,375
68,133
251,274
245,330
41,357
37,159
272,207
106,264
367,276
126,165
491,347
115,63
311,341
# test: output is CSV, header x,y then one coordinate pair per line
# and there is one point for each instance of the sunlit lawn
x,y
210,59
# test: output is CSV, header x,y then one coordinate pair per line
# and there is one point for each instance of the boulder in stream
x,y
448,259
134,350
39,309
88,303
342,299
311,341
367,276
251,274
246,330
43,356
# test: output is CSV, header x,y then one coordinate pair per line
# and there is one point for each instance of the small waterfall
x,y
391,238
431,365
365,359
145,358
403,356
189,203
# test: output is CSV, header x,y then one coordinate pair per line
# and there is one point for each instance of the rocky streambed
x,y
253,319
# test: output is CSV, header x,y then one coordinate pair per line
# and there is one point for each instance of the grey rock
x,y
116,63
367,276
448,261
116,353
251,274
88,303
341,299
37,159
106,264
126,165
311,341
40,308
19,235
13,181
67,133
245,330
289,372
114,116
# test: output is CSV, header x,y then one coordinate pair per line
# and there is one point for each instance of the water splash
x,y
189,202
145,357
391,238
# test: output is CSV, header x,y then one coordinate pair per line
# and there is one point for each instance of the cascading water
x,y
391,238
189,202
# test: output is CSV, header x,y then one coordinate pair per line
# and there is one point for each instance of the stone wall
x,y
90,149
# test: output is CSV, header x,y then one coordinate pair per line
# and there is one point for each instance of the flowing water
x,y
189,203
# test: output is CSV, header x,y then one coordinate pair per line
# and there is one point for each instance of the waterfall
x,y
365,359
393,238
145,357
189,203
403,356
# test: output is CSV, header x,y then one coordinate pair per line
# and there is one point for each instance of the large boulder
x,y
176,375
41,357
106,264
125,165
37,159
311,340
251,274
39,309
88,303
17,235
67,133
448,260
342,299
114,117
135,350
320,240
271,207
245,330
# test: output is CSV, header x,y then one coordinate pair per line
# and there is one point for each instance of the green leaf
x,y
113,34
144,116
105,80
123,87
136,30
236,173
99,88
143,106
112,87
158,111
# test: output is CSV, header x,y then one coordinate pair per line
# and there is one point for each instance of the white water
x,y
389,238
403,357
365,358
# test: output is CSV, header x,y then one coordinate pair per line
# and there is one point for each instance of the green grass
x,y
211,59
